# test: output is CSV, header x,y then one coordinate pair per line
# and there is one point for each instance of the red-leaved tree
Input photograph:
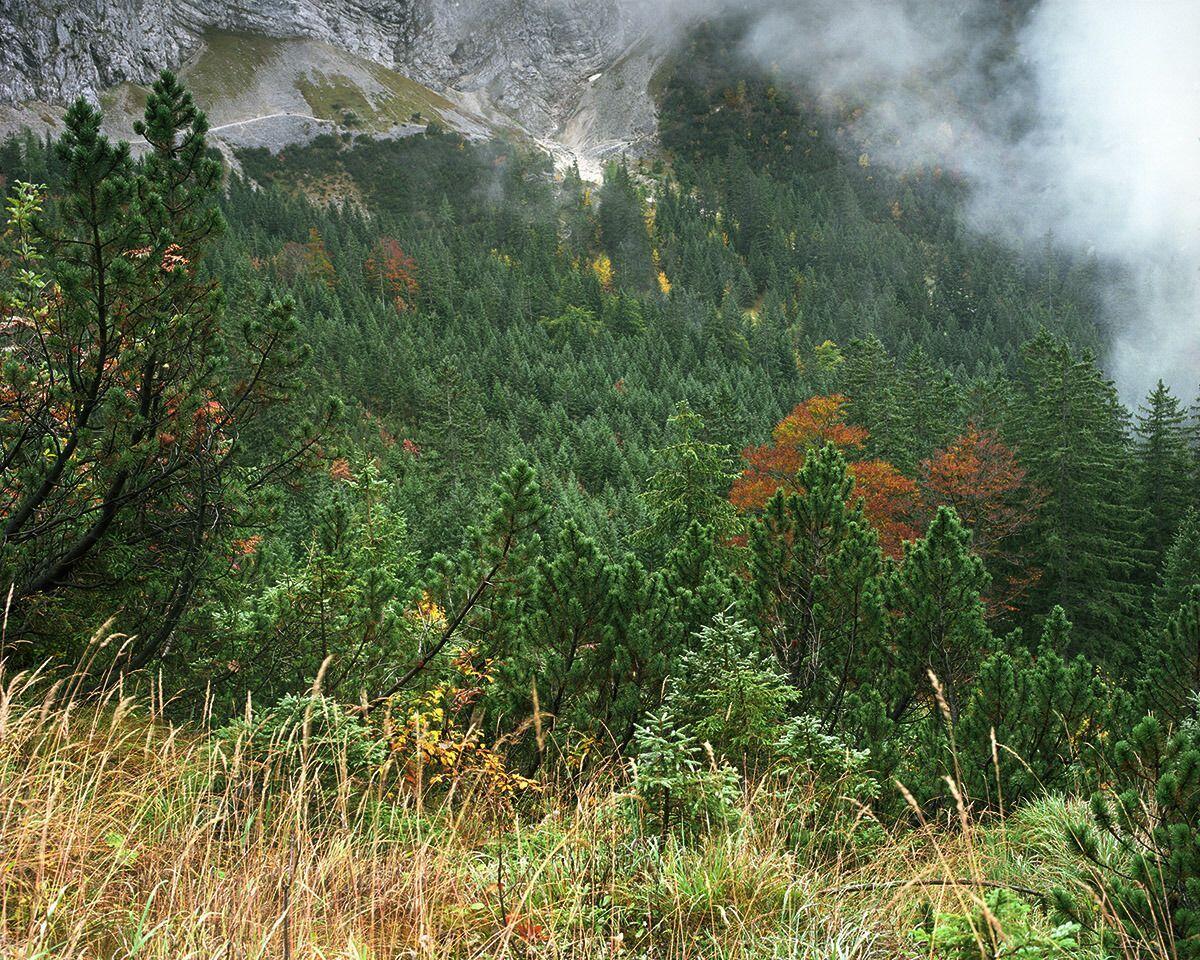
x,y
889,498
979,476
393,272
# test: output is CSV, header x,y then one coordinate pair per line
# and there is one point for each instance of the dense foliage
x,y
739,462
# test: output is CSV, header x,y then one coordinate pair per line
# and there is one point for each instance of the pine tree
x,y
352,588
815,583
480,584
1041,708
937,624
569,626
129,395
1150,888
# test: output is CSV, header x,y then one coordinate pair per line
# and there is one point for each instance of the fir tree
x,y
737,699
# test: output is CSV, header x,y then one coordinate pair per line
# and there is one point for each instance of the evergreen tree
x,y
1172,663
691,484
1164,468
1041,710
937,625
1149,891
1071,435
623,228
127,396
353,590
736,699
815,583
1180,570
571,623
673,781
924,411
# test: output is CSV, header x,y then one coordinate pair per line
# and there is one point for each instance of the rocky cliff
x,y
542,64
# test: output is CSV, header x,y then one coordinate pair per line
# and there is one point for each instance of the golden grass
x,y
122,835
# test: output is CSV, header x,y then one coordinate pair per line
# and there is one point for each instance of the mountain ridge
x,y
535,66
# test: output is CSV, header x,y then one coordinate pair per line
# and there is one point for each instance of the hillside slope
x,y
541,68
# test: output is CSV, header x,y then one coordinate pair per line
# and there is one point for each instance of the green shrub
x,y
1001,927
675,785
737,697
1045,712
826,787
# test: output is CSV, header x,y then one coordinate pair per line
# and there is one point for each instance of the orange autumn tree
x,y
889,498
393,272
979,476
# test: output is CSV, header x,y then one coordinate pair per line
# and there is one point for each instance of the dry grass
x,y
124,836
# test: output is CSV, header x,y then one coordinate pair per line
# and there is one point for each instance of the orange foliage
x,y
768,468
979,476
889,498
818,421
394,271
247,546
528,930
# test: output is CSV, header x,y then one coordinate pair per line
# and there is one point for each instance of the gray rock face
x,y
535,61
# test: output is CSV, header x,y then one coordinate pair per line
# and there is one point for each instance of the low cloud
x,y
1073,120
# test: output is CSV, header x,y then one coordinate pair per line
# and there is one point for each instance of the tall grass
x,y
122,835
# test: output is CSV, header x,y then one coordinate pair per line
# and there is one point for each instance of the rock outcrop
x,y
539,63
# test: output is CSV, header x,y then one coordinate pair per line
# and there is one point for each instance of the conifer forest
x,y
414,547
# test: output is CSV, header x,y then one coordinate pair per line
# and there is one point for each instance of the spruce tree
x,y
1172,663
1180,569
690,484
1164,467
922,412
735,697
1071,433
